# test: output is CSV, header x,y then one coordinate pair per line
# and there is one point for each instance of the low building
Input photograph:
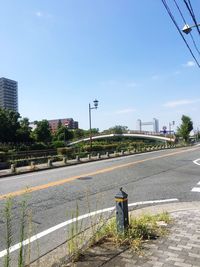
x,y
68,122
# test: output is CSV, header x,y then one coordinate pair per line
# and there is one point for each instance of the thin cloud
x,y
189,64
125,111
155,77
132,84
116,83
41,14
181,102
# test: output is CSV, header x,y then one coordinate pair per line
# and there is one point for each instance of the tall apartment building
x,y
8,94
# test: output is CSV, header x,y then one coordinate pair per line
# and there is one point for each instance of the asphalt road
x,y
54,195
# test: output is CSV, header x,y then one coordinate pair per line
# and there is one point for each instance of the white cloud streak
x,y
189,64
39,14
116,83
125,111
181,102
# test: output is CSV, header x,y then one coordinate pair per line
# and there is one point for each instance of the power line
x,y
194,43
191,11
175,23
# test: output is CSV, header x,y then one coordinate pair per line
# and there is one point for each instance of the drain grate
x,y
85,178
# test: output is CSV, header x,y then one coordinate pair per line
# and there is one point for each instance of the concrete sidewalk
x,y
181,247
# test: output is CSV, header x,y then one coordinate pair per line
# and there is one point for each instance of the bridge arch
x,y
137,135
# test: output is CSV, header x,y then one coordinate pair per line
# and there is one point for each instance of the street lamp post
x,y
187,29
90,120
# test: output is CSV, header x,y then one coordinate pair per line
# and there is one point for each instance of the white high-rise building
x,y
8,94
154,123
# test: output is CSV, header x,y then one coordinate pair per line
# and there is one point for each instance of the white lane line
x,y
63,224
196,161
196,189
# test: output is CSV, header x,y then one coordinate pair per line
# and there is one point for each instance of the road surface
x,y
53,196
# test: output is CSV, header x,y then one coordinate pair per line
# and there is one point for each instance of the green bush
x,y
67,151
3,156
57,144
38,146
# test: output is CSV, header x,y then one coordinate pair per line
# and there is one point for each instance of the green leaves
x,y
185,128
42,133
9,125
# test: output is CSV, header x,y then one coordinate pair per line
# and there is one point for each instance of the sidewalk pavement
x,y
181,247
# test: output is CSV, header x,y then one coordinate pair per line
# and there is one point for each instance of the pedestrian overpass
x,y
133,135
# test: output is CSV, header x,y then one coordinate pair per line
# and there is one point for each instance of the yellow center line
x,y
70,179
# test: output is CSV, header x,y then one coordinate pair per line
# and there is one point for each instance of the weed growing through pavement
x,y
75,236
8,230
23,213
141,228
9,222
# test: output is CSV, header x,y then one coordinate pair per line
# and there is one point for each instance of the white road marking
x,y
196,189
84,216
196,161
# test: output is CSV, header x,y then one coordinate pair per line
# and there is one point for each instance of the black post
x,y
122,220
90,124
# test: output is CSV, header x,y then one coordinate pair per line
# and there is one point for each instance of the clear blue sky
x,y
125,53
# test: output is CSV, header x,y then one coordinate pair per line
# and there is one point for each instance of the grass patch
x,y
141,229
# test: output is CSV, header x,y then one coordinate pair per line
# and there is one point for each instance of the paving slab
x,y
181,247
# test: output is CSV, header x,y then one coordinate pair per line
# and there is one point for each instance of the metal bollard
x,y
89,156
65,160
32,165
13,168
122,220
107,154
122,152
77,158
98,156
49,163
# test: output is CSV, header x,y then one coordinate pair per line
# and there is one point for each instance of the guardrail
x,y
52,162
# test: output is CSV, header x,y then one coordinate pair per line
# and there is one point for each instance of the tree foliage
x,y
42,132
78,133
9,125
118,129
24,132
185,128
63,134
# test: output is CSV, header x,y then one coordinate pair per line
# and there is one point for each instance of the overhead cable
x,y
175,23
191,11
194,43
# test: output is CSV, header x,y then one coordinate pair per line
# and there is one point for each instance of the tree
x,y
59,124
94,131
9,125
42,132
24,132
63,134
118,129
185,128
79,133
